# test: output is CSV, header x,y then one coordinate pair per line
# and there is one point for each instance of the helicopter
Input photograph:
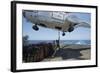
x,y
58,20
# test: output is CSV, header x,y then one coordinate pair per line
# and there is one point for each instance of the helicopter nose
x,y
24,14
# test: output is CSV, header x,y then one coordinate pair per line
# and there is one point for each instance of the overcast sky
x,y
80,33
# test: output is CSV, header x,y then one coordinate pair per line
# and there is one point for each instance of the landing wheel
x,y
70,29
35,28
63,34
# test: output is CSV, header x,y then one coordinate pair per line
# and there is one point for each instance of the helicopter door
x,y
57,15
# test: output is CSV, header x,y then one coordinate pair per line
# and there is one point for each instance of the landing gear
x,y
70,29
63,34
35,27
